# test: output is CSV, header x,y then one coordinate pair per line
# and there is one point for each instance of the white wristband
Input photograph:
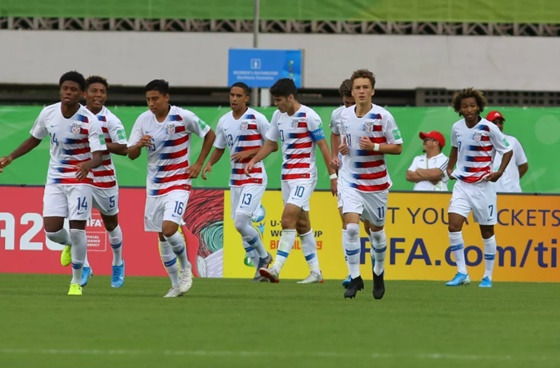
x,y
376,146
333,176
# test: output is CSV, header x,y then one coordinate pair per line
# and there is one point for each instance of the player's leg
x,y
175,206
55,211
289,218
375,210
485,213
309,248
459,209
352,208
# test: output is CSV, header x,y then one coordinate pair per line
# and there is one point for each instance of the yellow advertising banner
x,y
527,234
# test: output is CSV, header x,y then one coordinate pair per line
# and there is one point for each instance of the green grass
x,y
237,323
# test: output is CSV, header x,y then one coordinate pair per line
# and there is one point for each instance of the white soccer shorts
x,y
106,200
168,207
298,192
71,201
246,199
372,206
480,198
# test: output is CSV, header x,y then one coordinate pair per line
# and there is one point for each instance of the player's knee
x,y
352,230
241,221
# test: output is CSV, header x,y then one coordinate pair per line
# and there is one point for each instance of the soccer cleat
x,y
459,279
378,286
263,263
186,279
485,283
271,274
355,285
75,289
173,293
66,256
312,278
346,282
117,276
87,272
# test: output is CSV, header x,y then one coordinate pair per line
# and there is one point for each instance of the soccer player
x,y
105,188
76,146
428,171
165,130
368,132
243,130
345,91
474,142
517,167
300,130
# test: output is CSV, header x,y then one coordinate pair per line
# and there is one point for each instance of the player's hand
x,y
83,170
207,169
248,168
343,148
334,186
146,141
240,156
493,176
451,177
335,163
5,161
366,144
194,170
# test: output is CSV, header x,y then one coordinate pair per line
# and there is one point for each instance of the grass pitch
x,y
238,323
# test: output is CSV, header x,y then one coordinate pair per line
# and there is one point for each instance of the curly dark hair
x,y
468,93
96,79
363,73
73,76
345,89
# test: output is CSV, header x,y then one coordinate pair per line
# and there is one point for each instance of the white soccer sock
x,y
116,238
457,246
378,241
177,243
61,237
250,236
344,250
285,245
78,251
489,255
309,248
251,252
352,248
170,262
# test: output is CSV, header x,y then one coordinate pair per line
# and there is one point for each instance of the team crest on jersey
x,y
295,123
368,126
76,128
477,136
170,129
244,125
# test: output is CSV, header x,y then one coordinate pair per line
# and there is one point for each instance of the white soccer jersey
x,y
298,134
509,181
438,161
476,147
239,135
72,141
104,176
366,170
335,124
168,157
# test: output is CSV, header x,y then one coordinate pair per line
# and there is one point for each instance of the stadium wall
x,y
200,59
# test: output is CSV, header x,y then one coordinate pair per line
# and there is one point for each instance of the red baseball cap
x,y
493,115
434,134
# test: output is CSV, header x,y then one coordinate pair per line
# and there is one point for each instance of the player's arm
x,y
385,148
335,143
215,157
494,176
267,148
194,170
325,152
451,163
135,150
523,169
85,167
23,149
117,148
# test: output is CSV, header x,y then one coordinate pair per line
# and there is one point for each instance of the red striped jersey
x,y
71,142
168,156
476,148
298,134
366,170
239,135
104,176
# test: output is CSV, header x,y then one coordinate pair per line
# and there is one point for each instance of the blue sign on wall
x,y
261,68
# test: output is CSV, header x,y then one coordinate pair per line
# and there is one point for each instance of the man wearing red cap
x,y
517,167
428,171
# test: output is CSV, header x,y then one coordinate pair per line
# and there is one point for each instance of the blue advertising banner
x,y
260,68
